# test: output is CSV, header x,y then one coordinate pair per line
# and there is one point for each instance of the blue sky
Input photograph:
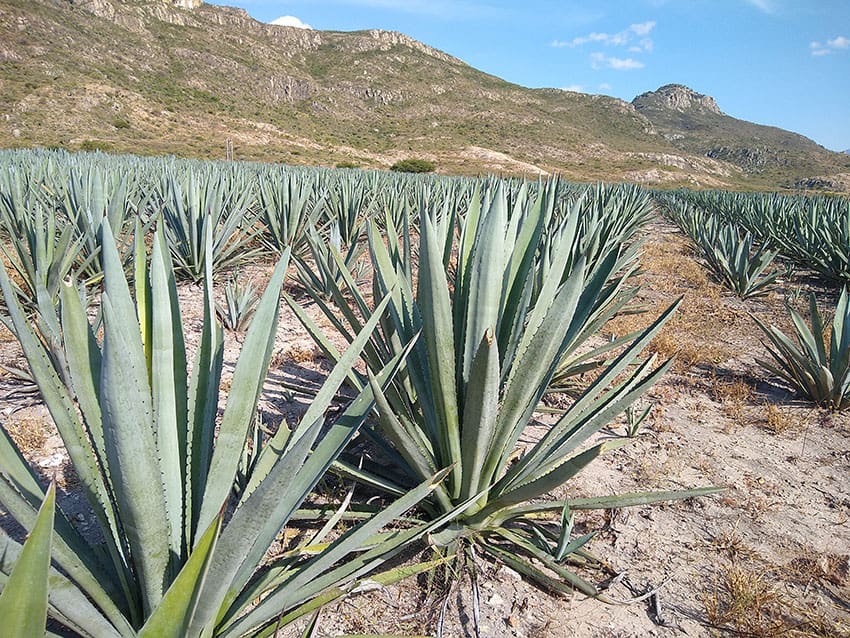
x,y
784,63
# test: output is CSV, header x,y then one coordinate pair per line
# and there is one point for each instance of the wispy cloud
x,y
602,61
765,6
831,46
290,21
634,39
580,88
635,36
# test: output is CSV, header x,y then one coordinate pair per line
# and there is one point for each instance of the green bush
x,y
413,165
94,145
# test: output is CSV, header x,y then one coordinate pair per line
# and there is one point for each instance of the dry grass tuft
x,y
732,545
734,395
777,420
745,602
29,434
821,568
301,354
754,601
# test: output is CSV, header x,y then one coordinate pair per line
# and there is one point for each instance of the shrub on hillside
x,y
412,165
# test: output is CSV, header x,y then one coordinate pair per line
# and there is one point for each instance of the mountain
x,y
694,124
184,77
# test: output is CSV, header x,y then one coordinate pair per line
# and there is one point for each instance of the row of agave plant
x,y
812,232
739,236
731,252
484,297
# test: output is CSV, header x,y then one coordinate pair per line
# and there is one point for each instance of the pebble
x,y
506,573
54,460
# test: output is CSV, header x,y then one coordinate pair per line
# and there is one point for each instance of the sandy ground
x,y
770,556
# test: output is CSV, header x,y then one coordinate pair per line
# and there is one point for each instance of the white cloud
x,y
575,88
604,87
765,6
290,21
602,61
622,38
835,44
642,28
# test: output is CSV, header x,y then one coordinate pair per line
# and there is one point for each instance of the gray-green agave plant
x,y
492,335
141,434
814,366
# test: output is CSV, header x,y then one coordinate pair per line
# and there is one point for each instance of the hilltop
x,y
184,77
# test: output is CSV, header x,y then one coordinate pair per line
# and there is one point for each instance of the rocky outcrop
x,y
676,97
752,159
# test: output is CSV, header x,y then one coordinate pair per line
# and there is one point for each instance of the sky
x,y
783,63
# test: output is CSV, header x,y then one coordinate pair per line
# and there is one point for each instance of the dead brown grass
x,y
301,354
751,600
695,335
778,420
28,433
733,394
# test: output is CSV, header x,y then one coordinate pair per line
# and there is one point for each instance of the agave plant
x,y
41,249
92,195
816,366
240,302
140,433
289,205
730,252
327,265
211,203
489,346
736,263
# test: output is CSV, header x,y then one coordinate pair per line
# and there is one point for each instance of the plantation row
x,y
810,232
485,295
739,237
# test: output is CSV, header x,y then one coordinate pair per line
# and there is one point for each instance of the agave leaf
x,y
549,478
171,618
279,442
486,270
248,378
481,407
524,567
23,601
381,579
571,578
314,576
66,602
439,346
70,551
62,410
203,403
168,388
131,452
239,539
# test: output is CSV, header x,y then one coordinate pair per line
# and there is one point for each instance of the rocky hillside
x,y
694,124
183,77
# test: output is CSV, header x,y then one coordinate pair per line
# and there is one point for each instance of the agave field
x,y
254,400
